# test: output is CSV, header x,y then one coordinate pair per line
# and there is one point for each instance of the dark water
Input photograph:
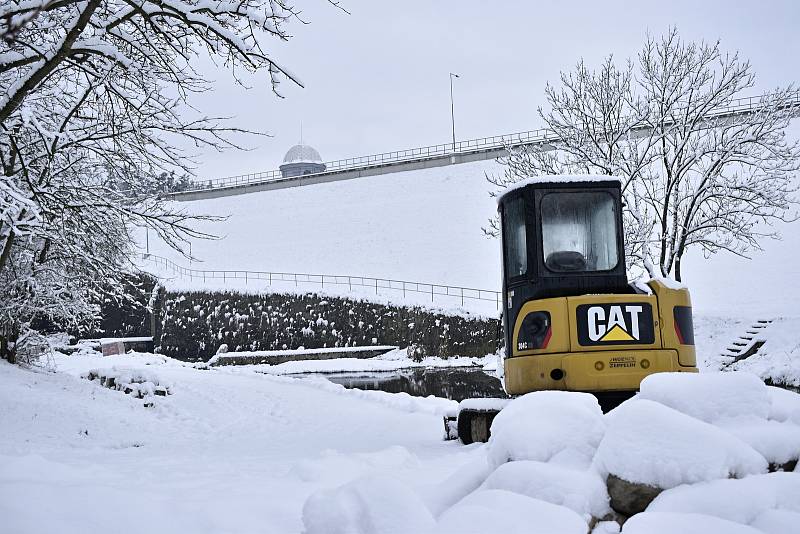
x,y
456,384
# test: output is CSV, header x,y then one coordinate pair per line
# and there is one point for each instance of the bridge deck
x,y
426,157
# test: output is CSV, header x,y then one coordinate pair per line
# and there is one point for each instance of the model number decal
x,y
622,361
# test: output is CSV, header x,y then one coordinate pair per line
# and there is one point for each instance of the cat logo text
x,y
615,324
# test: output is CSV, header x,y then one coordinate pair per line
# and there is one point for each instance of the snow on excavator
x,y
572,321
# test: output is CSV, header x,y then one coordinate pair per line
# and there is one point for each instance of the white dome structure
x,y
301,159
302,154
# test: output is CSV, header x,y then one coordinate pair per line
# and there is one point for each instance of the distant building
x,y
301,159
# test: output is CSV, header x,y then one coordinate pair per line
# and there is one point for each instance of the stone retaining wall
x,y
192,325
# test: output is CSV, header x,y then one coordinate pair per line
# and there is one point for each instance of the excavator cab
x,y
572,321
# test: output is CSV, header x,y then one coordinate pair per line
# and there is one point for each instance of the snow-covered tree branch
x,y
695,174
94,100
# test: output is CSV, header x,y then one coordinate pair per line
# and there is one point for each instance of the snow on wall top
x,y
558,179
302,154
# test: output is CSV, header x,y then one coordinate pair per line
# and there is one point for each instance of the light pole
x,y
452,109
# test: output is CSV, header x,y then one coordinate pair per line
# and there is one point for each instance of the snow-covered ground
x,y
244,449
235,450
231,450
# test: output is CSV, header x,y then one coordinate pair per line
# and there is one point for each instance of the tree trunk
x,y
5,352
6,250
678,267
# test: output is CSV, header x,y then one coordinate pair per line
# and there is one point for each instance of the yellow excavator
x,y
572,321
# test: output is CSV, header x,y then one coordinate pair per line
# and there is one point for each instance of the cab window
x,y
514,238
579,231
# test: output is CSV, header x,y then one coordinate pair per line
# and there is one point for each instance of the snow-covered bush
x,y
136,382
416,353
33,349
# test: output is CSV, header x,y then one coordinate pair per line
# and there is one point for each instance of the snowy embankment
x,y
388,293
690,453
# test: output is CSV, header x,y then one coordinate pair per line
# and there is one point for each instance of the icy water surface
x,y
456,384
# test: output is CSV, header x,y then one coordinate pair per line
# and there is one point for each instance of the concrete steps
x,y
747,344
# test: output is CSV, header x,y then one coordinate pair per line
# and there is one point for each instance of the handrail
x,y
404,286
737,106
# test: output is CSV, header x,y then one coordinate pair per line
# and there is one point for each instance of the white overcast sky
x,y
377,79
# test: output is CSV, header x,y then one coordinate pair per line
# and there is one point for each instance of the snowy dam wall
x,y
192,325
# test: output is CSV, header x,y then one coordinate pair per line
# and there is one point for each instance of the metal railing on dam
x,y
436,293
428,156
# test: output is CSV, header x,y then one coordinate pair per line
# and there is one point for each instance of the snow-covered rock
x,y
367,505
606,527
784,405
649,443
777,522
490,511
675,523
548,426
739,500
581,491
737,402
778,442
709,397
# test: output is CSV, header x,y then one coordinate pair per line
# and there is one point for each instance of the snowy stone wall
x,y
192,325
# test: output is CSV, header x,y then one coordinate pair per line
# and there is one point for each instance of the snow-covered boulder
x,y
709,397
778,442
548,426
777,522
367,505
606,527
673,523
489,511
784,405
742,501
737,402
582,491
650,444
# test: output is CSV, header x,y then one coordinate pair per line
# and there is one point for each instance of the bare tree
x,y
695,174
94,99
